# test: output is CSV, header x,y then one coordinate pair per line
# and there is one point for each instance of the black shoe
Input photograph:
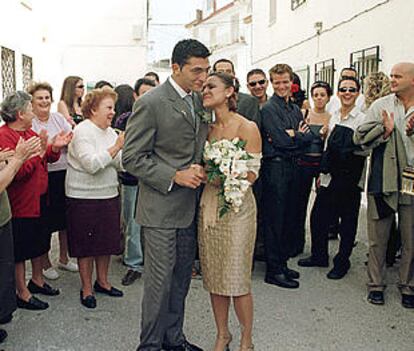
x,y
130,277
336,273
281,280
34,304
114,292
185,346
88,301
46,289
407,300
6,319
311,262
376,297
3,335
290,273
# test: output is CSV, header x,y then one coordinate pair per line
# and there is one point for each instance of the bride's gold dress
x,y
227,245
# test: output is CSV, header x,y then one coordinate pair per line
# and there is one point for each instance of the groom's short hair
x,y
187,48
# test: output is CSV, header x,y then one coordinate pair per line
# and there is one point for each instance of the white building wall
x,y
226,44
18,32
93,39
348,26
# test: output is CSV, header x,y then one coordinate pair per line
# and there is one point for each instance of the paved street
x,y
321,315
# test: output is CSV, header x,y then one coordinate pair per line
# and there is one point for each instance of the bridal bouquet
x,y
227,165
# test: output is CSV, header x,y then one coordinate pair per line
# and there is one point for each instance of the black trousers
x,y
341,200
277,181
303,179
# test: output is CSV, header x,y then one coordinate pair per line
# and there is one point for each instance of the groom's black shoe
x,y
185,346
281,280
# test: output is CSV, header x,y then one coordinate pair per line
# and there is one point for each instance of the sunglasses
x,y
350,90
254,83
80,86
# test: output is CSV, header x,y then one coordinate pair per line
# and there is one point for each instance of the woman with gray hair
x,y
27,195
10,162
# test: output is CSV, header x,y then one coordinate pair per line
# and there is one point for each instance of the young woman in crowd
x,y
27,194
309,161
71,99
55,212
93,214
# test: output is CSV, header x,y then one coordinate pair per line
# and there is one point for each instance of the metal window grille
x,y
325,71
27,70
304,75
366,61
8,71
296,3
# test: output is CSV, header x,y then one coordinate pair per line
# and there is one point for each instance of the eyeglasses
x,y
350,90
80,86
254,83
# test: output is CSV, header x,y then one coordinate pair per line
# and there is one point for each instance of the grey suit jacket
x,y
161,138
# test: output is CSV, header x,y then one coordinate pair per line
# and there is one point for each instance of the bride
x,y
227,242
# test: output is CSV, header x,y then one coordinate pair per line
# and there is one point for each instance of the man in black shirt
x,y
284,134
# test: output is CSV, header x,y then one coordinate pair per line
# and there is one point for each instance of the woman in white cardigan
x,y
93,213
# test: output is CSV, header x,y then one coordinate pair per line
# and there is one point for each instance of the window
x,y
296,3
27,71
8,72
235,28
272,11
365,62
304,75
325,71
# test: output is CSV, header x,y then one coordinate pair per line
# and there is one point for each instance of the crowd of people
x,y
120,171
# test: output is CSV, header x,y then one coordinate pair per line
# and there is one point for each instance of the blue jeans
x,y
133,257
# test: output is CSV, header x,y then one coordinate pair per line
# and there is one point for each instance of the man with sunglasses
x,y
257,85
339,194
334,104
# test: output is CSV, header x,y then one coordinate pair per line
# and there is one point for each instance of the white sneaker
x,y
70,266
50,273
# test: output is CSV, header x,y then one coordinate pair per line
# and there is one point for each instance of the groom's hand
x,y
189,178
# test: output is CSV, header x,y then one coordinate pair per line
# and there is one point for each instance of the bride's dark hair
x,y
229,82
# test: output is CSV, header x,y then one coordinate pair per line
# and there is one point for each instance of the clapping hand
x,y
323,132
303,127
6,154
409,129
61,140
388,122
26,149
120,140
43,142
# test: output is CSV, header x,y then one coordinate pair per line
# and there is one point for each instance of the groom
x,y
163,148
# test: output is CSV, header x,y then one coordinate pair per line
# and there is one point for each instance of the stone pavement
x,y
321,315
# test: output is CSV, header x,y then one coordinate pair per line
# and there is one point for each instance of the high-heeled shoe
x,y
225,338
246,348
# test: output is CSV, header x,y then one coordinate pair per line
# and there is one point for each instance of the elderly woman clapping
x,y
93,212
54,123
27,195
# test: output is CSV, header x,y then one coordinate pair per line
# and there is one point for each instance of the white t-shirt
x,y
54,125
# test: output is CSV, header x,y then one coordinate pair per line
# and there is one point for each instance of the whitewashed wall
x,y
350,26
239,51
93,39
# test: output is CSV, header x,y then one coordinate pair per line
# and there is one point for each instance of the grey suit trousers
x,y
378,235
169,255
